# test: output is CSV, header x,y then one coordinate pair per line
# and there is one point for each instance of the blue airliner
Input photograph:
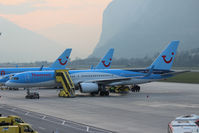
x,y
96,80
105,63
60,63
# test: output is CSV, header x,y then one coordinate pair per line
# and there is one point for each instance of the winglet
x,y
105,62
62,61
41,68
92,67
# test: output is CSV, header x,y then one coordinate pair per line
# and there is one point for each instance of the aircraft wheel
x,y
102,93
106,93
133,89
92,93
138,88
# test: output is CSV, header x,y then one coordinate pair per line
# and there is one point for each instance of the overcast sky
x,y
72,23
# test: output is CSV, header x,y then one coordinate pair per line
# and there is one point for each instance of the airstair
x,y
63,77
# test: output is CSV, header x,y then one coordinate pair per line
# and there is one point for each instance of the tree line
x,y
189,58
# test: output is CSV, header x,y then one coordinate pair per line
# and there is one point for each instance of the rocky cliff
x,y
138,28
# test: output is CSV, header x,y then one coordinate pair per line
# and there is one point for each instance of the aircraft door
x,y
27,78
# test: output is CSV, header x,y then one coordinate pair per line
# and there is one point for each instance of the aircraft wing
x,y
107,81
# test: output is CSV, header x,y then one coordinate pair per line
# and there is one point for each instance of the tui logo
x,y
3,72
167,61
106,65
63,63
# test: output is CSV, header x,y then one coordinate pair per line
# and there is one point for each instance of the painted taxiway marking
x,y
161,104
69,124
42,128
26,113
43,117
87,129
13,109
63,122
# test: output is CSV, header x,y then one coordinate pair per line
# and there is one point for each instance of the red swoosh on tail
x,y
63,63
169,61
3,72
106,65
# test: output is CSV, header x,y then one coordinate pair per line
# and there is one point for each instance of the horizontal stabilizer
x,y
174,73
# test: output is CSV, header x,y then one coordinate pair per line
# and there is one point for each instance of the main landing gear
x,y
32,95
101,93
135,88
104,93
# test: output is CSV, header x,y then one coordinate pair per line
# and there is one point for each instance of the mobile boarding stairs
x,y
63,77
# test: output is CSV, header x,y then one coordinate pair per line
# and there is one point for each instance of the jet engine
x,y
89,87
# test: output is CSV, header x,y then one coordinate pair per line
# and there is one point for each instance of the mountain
x,y
18,44
139,28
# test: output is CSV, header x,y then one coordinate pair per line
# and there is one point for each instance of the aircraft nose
x,y
1,81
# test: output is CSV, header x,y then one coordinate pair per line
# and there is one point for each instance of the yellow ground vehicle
x,y
14,124
10,120
20,128
119,89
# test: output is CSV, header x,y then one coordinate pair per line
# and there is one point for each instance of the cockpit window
x,y
15,78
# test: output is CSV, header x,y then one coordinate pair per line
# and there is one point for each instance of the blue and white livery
x,y
95,80
60,63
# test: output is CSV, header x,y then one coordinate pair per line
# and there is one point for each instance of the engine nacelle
x,y
88,87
